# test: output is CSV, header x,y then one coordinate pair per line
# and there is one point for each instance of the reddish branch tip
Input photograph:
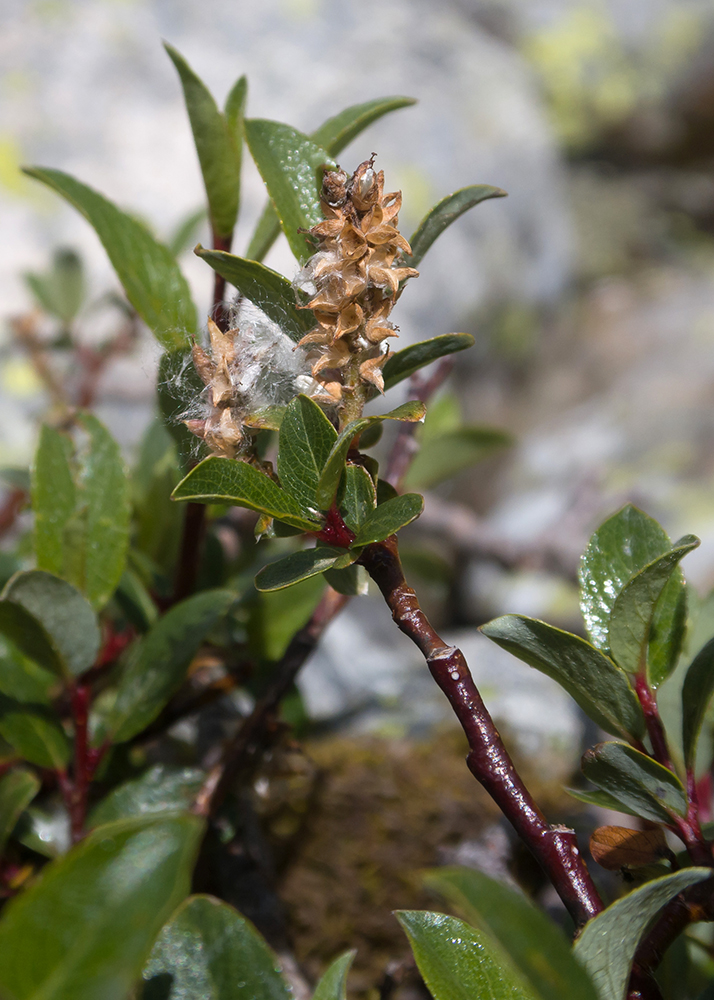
x,y
335,531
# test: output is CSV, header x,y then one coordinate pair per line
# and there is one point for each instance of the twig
x,y
194,529
554,847
256,731
13,503
405,444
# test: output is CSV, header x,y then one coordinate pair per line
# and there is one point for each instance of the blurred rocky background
x,y
590,289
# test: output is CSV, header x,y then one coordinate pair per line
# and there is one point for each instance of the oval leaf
x,y
54,498
290,164
696,694
84,930
389,517
161,789
296,567
458,962
360,497
333,135
634,607
536,947
17,790
635,780
218,145
160,659
225,480
404,363
333,985
35,733
442,215
265,288
597,684
607,945
304,445
667,630
150,276
621,547
49,620
222,957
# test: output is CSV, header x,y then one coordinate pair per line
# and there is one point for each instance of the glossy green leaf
x,y
104,491
33,730
162,789
50,621
696,694
636,781
333,135
265,288
333,984
135,601
209,950
390,517
634,607
147,269
442,215
411,411
17,790
621,547
458,962
61,291
277,615
667,630
453,452
534,944
160,659
351,581
597,684
290,164
85,928
359,499
596,797
218,144
607,945
24,680
304,446
296,567
224,480
54,498
404,363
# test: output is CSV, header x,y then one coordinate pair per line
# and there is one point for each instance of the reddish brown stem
x,y
14,501
219,282
75,792
554,847
194,529
653,722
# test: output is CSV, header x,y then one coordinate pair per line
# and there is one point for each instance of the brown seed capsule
x,y
616,847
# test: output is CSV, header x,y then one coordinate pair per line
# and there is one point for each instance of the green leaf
x,y
265,288
333,984
634,607
296,567
135,601
333,135
54,498
104,490
537,948
351,581
596,797
451,453
621,547
277,615
35,733
360,497
159,661
17,790
404,363
696,694
411,411
61,291
85,928
597,684
225,480
148,271
24,680
667,630
209,950
161,789
390,517
607,944
304,445
290,164
458,962
442,215
50,621
636,781
218,144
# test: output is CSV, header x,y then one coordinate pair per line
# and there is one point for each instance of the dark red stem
x,y
655,729
219,282
554,847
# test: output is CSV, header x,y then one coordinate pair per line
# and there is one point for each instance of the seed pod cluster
x,y
353,280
